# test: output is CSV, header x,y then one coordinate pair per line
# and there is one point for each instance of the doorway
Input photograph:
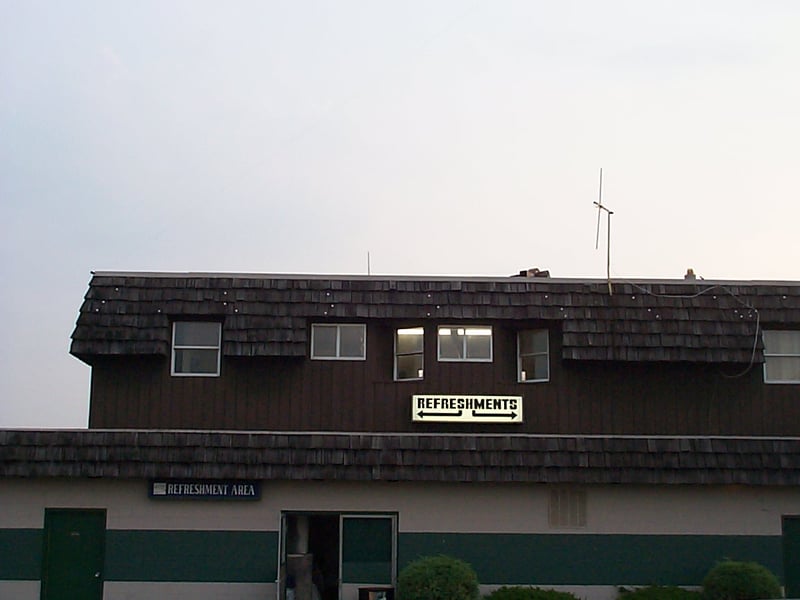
x,y
74,553
328,555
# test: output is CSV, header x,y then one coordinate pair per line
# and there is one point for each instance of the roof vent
x,y
690,276
534,272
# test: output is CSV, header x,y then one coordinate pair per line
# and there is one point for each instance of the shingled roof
x,y
398,457
268,315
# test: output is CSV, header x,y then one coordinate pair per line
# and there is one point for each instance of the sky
x,y
417,137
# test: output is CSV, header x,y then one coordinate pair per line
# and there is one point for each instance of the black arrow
x,y
512,415
422,414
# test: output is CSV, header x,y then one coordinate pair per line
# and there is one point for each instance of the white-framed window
x,y
196,348
465,344
409,353
533,360
781,356
339,341
567,508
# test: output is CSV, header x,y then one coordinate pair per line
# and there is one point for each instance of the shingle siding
x,y
370,457
270,315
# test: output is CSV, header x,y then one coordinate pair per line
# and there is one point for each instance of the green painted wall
x,y
20,554
221,556
522,559
574,559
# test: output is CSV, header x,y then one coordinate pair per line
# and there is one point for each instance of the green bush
x,y
528,593
437,578
731,580
659,592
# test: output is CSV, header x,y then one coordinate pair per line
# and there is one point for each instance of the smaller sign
x,y
193,489
466,409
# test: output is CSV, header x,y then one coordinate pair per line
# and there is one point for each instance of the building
x,y
246,431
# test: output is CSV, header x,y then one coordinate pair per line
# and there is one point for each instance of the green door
x,y
791,555
74,548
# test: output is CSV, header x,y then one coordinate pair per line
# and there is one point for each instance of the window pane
x,y
409,366
782,369
351,340
479,345
409,340
451,343
782,342
367,550
323,342
197,334
533,342
534,368
195,361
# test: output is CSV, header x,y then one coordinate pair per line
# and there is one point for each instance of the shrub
x,y
528,593
437,578
731,580
659,592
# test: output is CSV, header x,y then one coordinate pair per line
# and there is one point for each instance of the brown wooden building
x,y
553,432
653,358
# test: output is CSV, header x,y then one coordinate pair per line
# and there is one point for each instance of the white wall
x,y
422,507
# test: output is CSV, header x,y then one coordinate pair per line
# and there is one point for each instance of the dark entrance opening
x,y
312,555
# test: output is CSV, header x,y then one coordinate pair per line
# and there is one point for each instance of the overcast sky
x,y
439,137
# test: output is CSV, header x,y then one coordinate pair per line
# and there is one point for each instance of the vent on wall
x,y
567,508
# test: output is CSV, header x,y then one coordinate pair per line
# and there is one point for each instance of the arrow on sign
x,y
422,414
511,415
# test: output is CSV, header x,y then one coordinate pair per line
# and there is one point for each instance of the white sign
x,y
466,409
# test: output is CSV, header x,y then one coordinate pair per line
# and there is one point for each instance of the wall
x,y
583,397
219,549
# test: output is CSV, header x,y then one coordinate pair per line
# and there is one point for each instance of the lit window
x,y
567,509
782,356
339,342
533,362
409,355
196,348
465,343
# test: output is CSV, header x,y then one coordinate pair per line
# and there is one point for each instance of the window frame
x,y
339,327
768,355
421,353
520,355
175,347
439,356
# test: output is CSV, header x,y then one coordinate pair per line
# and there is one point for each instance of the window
x,y
533,362
567,509
196,348
782,356
409,355
339,342
465,343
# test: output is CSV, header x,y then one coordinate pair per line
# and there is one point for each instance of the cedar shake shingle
x,y
367,457
269,315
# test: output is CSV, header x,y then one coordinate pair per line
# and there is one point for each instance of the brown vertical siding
x,y
582,397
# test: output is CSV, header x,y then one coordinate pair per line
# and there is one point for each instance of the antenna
x,y
600,207
369,270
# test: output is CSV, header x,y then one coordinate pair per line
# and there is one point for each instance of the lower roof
x,y
572,459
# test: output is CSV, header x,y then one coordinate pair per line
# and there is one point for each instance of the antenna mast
x,y
600,207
